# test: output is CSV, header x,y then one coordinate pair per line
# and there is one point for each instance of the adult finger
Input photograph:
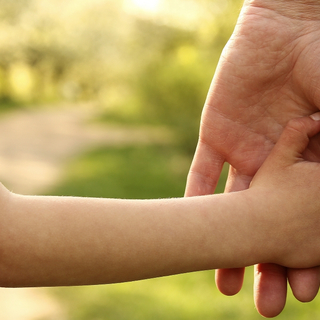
x,y
270,289
304,283
229,281
205,171
237,181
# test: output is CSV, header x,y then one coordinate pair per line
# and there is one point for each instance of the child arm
x,y
48,241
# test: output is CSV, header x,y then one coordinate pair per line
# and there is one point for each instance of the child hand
x,y
288,189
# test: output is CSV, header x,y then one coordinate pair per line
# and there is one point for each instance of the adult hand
x,y
268,73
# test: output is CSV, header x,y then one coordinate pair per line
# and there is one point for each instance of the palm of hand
x,y
268,74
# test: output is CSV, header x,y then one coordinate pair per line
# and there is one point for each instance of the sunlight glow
x,y
147,5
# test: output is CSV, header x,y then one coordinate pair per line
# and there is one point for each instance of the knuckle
x,y
296,125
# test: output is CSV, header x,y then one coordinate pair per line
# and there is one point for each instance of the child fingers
x,y
296,136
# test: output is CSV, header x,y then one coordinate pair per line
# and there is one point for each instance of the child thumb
x,y
296,136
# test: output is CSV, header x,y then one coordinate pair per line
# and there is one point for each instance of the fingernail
x,y
315,116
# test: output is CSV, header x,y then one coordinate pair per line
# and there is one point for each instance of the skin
x,y
268,74
51,241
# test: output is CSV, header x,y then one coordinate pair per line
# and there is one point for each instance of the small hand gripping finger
x,y
270,281
305,282
295,138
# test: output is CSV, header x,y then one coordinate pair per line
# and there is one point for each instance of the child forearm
x,y
48,241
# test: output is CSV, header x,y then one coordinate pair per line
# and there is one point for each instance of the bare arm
x,y
74,241
49,241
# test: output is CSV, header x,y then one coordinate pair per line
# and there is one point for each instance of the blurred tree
x,y
172,85
154,66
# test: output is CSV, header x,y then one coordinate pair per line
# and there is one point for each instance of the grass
x,y
153,172
127,172
183,297
7,105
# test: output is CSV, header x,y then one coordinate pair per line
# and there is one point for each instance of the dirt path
x,y
34,145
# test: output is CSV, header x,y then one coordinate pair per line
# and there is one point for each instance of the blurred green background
x,y
140,63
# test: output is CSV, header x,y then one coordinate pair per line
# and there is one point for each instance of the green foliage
x,y
6,105
132,172
152,69
173,92
171,85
